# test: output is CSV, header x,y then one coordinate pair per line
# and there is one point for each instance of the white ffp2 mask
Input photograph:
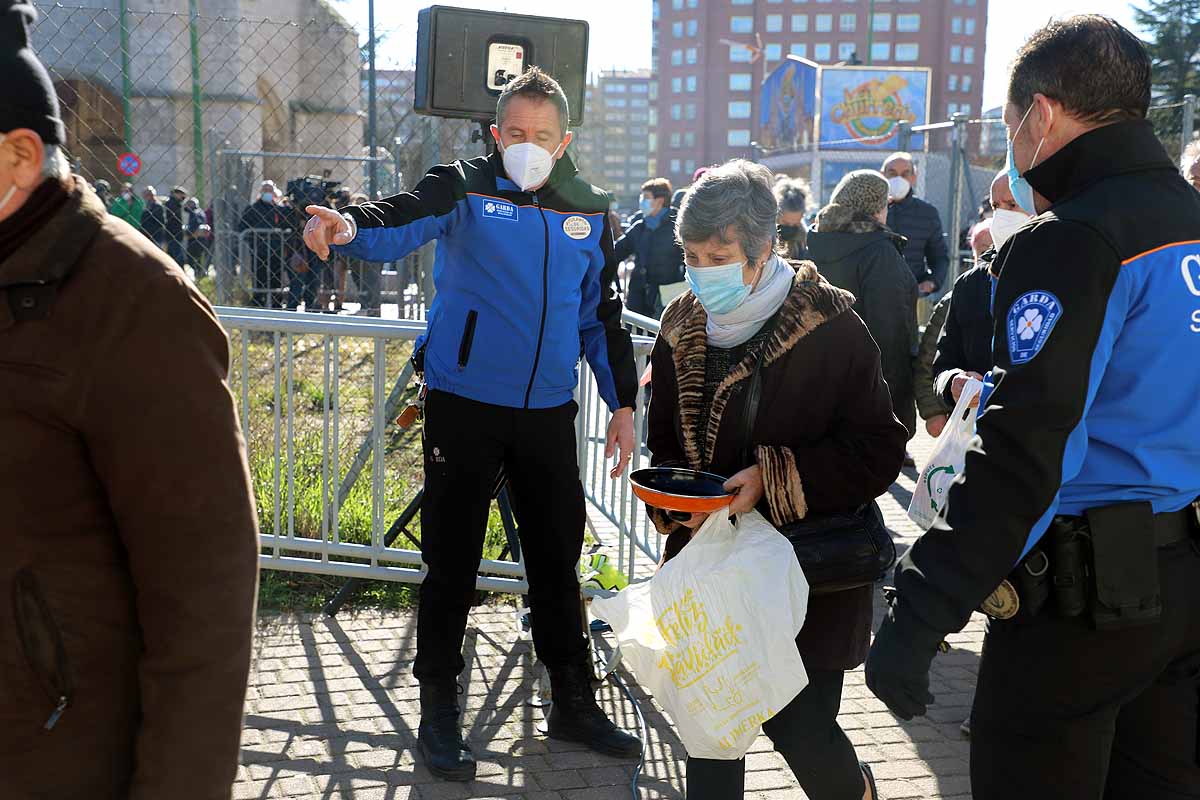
x,y
898,188
527,164
1005,223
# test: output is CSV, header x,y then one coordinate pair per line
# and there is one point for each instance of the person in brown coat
x,y
128,579
825,438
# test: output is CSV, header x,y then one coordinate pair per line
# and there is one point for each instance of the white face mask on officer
x,y
1005,223
528,165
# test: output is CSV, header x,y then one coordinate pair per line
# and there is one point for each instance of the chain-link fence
x,y
163,97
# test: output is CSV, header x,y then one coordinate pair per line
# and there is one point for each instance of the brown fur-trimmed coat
x,y
825,438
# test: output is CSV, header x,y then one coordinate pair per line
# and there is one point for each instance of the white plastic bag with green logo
x,y
946,460
712,634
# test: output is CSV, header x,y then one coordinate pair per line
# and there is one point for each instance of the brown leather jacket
x,y
128,532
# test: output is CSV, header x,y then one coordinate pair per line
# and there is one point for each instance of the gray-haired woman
x,y
823,440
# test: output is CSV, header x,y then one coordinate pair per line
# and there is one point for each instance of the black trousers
x,y
466,443
807,735
1066,711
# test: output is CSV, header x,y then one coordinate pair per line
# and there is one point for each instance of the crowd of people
x,y
788,359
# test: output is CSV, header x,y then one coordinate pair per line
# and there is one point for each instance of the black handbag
x,y
838,551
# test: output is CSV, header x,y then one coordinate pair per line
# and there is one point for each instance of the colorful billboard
x,y
788,105
862,107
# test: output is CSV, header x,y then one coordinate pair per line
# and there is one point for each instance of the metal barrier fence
x,y
332,471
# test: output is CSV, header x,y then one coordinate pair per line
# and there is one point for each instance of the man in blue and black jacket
x,y
526,284
1074,522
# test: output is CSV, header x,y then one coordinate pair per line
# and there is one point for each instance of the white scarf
x,y
736,327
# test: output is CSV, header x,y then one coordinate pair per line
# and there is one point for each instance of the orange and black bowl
x,y
682,490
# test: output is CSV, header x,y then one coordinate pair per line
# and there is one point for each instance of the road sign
x,y
129,164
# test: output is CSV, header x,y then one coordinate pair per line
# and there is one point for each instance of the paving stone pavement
x,y
332,712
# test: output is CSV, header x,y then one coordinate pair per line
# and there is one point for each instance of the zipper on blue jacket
x,y
537,356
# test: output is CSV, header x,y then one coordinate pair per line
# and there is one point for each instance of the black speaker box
x,y
465,57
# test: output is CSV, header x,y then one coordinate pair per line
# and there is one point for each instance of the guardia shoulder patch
x,y
1030,320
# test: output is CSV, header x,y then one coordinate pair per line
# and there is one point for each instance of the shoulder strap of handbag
x,y
753,395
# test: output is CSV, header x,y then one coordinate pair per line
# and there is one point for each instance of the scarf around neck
x,y
736,327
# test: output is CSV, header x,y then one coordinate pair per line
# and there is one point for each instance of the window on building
x,y
739,54
743,2
691,83
881,51
693,3
908,23
799,49
691,55
965,108
969,26
774,23
970,2
739,109
847,23
739,81
675,167
799,23
908,52
845,51
614,88
882,22
676,4
956,25
968,55
653,116
824,23
952,82
653,87
773,52
677,30
690,111
689,166
676,58
676,85
676,111
966,83
951,109
654,11
956,54
639,88
617,102
741,24
689,139
692,27
652,144
738,137
674,140
822,52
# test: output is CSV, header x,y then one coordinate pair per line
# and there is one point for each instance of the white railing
x,y
300,382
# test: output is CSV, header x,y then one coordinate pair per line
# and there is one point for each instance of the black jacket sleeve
x,y
929,403
1028,438
951,355
627,244
936,257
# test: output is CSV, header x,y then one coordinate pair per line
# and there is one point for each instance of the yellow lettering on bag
x,y
697,646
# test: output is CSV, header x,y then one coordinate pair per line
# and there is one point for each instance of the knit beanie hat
x,y
27,98
864,191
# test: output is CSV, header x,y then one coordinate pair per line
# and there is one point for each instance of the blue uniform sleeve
x,y
1060,305
392,228
606,344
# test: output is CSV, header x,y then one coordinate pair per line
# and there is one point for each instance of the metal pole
x,y
871,31
197,108
372,169
906,133
126,82
1189,120
396,165
957,168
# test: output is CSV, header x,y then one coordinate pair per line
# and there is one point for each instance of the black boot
x,y
446,755
575,716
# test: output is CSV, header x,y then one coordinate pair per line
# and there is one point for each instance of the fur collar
x,y
812,302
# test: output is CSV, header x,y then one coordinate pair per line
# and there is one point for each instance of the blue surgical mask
x,y
719,289
1022,192
647,206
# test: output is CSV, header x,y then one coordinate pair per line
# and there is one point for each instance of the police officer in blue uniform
x,y
526,282
1074,522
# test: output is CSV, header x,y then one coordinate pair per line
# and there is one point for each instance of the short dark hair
x,y
1096,68
791,194
657,187
534,83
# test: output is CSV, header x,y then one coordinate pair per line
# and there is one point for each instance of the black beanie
x,y
27,98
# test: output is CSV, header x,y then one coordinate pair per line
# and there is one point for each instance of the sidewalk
x,y
332,712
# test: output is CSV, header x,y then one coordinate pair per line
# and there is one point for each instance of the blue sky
x,y
620,29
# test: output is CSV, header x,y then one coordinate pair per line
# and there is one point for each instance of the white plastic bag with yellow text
x,y
712,634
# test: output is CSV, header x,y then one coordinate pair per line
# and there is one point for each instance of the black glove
x,y
897,668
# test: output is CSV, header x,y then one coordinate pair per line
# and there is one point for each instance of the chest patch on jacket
x,y
1030,321
499,209
577,227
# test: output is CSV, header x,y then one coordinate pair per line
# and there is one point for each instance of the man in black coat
x,y
154,218
651,242
173,227
918,222
263,217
